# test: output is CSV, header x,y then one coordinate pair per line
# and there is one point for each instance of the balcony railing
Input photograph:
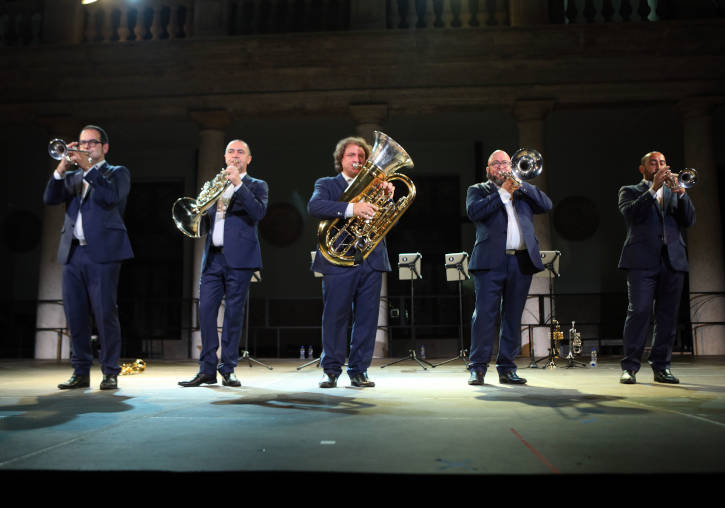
x,y
34,22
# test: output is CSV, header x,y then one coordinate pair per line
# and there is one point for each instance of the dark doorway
x,y
150,290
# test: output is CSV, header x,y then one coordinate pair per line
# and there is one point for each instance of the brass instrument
x,y
526,164
575,340
556,336
136,367
347,242
58,149
188,212
686,178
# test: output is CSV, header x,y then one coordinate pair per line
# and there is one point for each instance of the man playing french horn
x,y
347,289
656,211
231,255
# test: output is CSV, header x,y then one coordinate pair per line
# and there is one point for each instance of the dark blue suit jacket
x,y
324,204
649,227
102,209
488,213
247,207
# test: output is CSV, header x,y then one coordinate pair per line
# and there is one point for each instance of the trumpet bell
x,y
527,163
57,149
687,178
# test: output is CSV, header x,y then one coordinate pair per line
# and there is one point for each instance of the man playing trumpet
x,y
231,255
656,211
92,246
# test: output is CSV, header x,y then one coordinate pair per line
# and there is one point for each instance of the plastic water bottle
x,y
593,359
422,352
302,352
310,352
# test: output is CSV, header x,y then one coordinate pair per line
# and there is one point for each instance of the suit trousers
x,y
661,288
92,287
220,281
499,292
355,291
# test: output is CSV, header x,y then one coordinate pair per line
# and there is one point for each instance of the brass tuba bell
x,y
347,242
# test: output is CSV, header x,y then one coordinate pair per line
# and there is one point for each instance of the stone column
x,y
369,118
530,116
705,242
50,314
212,143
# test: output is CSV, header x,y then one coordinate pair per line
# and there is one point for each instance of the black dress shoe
x,y
110,382
76,381
511,378
628,377
361,380
476,377
199,380
328,380
665,376
230,379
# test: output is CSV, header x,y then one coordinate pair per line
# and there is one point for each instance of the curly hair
x,y
342,144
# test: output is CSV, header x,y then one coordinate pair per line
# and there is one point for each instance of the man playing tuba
x,y
347,289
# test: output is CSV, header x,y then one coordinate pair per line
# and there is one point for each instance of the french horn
x,y
187,212
347,242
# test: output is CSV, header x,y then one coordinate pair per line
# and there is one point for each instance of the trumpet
x,y
58,149
686,178
526,164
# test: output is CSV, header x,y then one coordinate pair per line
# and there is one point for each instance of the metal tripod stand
x,y
457,269
410,269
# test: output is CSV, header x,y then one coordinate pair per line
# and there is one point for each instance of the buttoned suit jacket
x,y
650,227
247,206
487,211
325,204
102,210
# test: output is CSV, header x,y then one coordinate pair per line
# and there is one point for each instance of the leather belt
x,y
76,242
513,252
218,250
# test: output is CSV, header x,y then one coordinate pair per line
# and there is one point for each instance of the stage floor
x,y
416,422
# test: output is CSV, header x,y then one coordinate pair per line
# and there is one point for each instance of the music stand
x,y
317,275
409,269
550,260
456,264
256,277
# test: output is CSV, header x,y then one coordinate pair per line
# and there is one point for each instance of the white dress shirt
x,y
218,237
514,237
78,227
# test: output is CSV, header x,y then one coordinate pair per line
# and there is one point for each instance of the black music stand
x,y
550,260
456,264
256,277
317,275
409,269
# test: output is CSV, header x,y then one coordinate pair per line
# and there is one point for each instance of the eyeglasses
x,y
500,163
89,142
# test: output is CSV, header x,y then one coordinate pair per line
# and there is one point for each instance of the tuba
x,y
188,212
347,242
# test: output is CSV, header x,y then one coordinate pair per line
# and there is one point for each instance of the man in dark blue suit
x,y
505,256
93,244
345,289
656,262
231,256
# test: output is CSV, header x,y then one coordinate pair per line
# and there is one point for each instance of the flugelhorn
x,y
686,178
58,149
348,242
188,212
526,164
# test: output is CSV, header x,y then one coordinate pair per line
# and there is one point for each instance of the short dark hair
x,y
104,136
